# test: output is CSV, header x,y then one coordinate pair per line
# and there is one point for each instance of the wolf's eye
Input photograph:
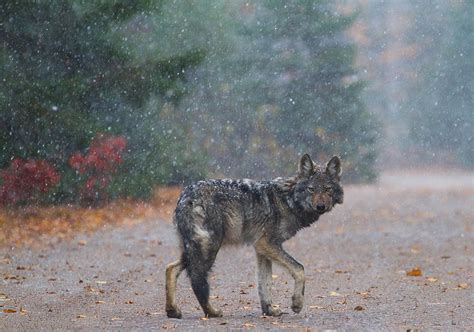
x,y
310,189
328,188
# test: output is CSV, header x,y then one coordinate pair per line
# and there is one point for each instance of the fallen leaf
x,y
101,282
365,295
89,288
99,302
128,302
341,271
315,307
462,286
82,242
359,308
9,310
248,325
274,276
334,294
81,316
432,279
415,272
343,301
204,318
415,249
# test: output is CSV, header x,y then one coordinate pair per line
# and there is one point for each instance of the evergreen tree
x,y
288,87
67,73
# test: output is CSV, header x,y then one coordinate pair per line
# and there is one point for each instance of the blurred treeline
x,y
196,88
417,56
440,102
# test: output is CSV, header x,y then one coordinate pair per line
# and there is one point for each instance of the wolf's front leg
x,y
264,266
276,253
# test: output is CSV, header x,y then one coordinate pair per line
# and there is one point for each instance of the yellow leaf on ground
x,y
9,310
415,272
463,285
415,249
334,294
432,279
315,307
343,301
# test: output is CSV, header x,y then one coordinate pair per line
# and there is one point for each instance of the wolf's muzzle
x,y
320,207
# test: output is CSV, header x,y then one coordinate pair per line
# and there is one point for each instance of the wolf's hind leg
x,y
276,253
173,271
198,270
264,267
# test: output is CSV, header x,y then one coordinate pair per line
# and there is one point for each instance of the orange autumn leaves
x,y
414,272
24,226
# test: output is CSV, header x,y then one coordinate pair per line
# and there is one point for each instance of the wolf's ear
x,y
333,168
306,166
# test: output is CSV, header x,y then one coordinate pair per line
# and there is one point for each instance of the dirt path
x,y
355,258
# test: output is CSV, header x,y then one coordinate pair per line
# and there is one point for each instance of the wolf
x,y
213,213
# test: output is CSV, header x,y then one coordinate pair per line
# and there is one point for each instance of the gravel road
x,y
357,261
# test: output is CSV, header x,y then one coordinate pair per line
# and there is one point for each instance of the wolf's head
x,y
317,188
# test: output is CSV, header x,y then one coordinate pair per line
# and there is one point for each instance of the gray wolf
x,y
264,214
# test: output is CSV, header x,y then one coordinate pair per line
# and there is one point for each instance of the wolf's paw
x,y
214,313
174,313
271,311
296,308
297,304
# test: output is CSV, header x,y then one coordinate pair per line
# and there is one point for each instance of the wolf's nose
x,y
320,207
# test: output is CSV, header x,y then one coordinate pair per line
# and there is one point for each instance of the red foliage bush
x,y
24,179
102,159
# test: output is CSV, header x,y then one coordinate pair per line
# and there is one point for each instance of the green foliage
x,y
68,73
288,86
240,83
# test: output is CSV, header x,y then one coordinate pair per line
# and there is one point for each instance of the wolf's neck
x,y
303,218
